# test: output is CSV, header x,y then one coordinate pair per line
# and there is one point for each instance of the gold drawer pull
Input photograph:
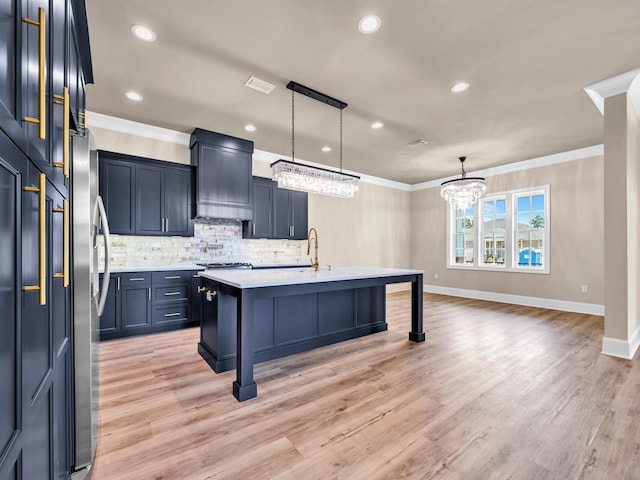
x,y
42,230
137,279
65,242
201,289
64,101
173,277
40,23
172,293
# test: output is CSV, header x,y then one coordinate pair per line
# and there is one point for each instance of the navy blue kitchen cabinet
x,y
149,302
110,320
135,301
278,213
223,180
117,188
36,435
146,197
262,223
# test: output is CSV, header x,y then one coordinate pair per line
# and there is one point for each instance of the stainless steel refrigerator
x,y
89,296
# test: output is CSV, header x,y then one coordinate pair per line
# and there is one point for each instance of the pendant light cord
x,y
340,140
293,127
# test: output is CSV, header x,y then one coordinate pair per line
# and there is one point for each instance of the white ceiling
x,y
527,63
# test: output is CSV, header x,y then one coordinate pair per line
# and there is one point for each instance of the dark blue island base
x,y
269,322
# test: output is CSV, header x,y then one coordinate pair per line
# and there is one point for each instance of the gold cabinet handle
x,y
201,289
65,243
40,23
172,277
166,224
137,279
42,230
168,294
163,225
64,101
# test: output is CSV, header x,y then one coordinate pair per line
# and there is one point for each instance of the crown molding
x,y
122,125
571,155
613,86
130,127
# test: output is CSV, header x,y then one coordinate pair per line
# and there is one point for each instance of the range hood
x,y
223,175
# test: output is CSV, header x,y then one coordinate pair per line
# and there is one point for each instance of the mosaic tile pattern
x,y
216,241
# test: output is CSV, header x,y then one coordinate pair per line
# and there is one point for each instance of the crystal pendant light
x,y
465,191
307,178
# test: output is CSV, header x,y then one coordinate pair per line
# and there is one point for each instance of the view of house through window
x,y
506,231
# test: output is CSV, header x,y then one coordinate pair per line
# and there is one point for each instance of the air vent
x,y
259,85
416,143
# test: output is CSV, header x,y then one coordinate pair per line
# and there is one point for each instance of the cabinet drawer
x,y
171,314
171,293
172,277
136,278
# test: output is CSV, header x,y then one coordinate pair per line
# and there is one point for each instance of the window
x,y
464,236
511,235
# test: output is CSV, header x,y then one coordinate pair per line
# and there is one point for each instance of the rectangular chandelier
x,y
305,178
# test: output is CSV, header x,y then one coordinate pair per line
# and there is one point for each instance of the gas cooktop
x,y
225,265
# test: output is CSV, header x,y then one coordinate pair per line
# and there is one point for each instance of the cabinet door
x,y
110,318
281,216
149,200
299,212
136,309
12,176
12,69
177,202
262,224
57,82
37,100
117,187
60,311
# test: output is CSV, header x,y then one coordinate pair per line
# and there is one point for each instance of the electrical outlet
x,y
585,288
435,276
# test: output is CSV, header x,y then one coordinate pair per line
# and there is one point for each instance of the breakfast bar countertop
x,y
295,276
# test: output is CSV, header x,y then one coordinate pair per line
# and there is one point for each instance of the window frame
x,y
511,250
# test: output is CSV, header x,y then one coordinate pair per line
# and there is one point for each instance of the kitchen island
x,y
250,316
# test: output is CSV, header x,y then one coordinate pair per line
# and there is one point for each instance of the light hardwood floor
x,y
497,391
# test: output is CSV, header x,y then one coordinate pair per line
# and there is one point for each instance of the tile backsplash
x,y
216,241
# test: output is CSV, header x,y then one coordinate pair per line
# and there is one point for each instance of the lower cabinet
x,y
147,302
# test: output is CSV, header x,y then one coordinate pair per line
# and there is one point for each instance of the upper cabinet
x,y
146,197
44,56
223,180
278,213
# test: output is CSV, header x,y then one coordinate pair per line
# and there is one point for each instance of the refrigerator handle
x,y
107,256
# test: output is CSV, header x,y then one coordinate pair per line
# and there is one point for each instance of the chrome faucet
x,y
315,264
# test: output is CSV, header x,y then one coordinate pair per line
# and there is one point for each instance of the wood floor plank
x,y
497,391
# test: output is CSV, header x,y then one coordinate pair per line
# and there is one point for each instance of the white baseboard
x,y
588,308
621,348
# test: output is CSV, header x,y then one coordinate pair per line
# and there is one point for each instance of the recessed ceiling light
x,y
250,128
369,24
143,33
460,87
377,125
135,96
326,148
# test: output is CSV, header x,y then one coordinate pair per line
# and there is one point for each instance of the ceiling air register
x,y
307,178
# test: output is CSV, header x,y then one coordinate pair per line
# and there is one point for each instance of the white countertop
x,y
154,268
241,278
